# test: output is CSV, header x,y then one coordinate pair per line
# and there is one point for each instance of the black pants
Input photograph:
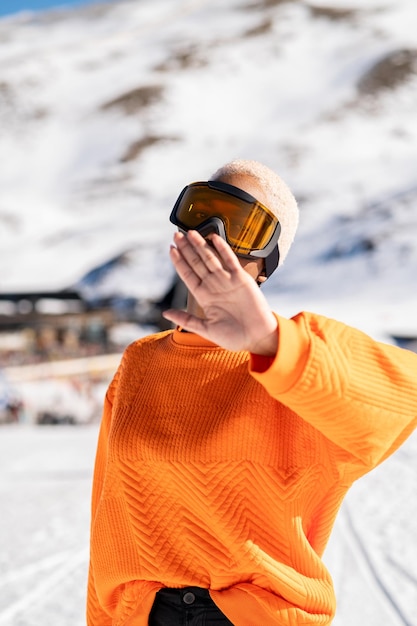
x,y
191,606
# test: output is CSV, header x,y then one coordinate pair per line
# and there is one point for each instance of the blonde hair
x,y
280,199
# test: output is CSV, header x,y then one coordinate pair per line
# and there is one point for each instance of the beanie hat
x,y
280,199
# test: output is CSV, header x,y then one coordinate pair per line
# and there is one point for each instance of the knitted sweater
x,y
225,470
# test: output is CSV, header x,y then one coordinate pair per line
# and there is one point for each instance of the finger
x,y
188,258
226,254
198,252
184,319
184,270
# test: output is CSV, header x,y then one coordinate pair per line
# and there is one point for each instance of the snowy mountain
x,y
107,111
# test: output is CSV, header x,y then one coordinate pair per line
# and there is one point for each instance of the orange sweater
x,y
226,470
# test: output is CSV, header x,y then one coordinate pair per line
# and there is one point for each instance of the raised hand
x,y
236,314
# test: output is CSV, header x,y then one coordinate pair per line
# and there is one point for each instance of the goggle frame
x,y
217,223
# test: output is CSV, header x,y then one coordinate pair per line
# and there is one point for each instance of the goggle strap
x,y
271,262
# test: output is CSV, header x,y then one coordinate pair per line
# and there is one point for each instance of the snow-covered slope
x,y
108,110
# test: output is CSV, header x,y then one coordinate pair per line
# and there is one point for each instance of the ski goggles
x,y
249,227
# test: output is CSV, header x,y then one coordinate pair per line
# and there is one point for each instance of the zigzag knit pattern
x,y
225,470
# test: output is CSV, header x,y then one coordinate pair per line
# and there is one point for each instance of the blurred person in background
x,y
228,443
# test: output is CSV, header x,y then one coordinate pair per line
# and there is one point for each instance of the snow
x,y
281,82
45,484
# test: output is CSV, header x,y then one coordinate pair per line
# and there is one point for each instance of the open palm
x,y
236,315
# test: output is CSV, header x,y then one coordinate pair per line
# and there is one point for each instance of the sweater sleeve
x,y
96,616
360,393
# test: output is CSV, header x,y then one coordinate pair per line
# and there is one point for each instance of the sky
x,y
9,7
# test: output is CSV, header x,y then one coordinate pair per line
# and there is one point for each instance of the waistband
x,y
196,596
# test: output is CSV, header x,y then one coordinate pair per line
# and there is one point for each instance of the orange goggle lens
x,y
250,228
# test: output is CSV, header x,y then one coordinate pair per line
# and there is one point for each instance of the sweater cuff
x,y
284,370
